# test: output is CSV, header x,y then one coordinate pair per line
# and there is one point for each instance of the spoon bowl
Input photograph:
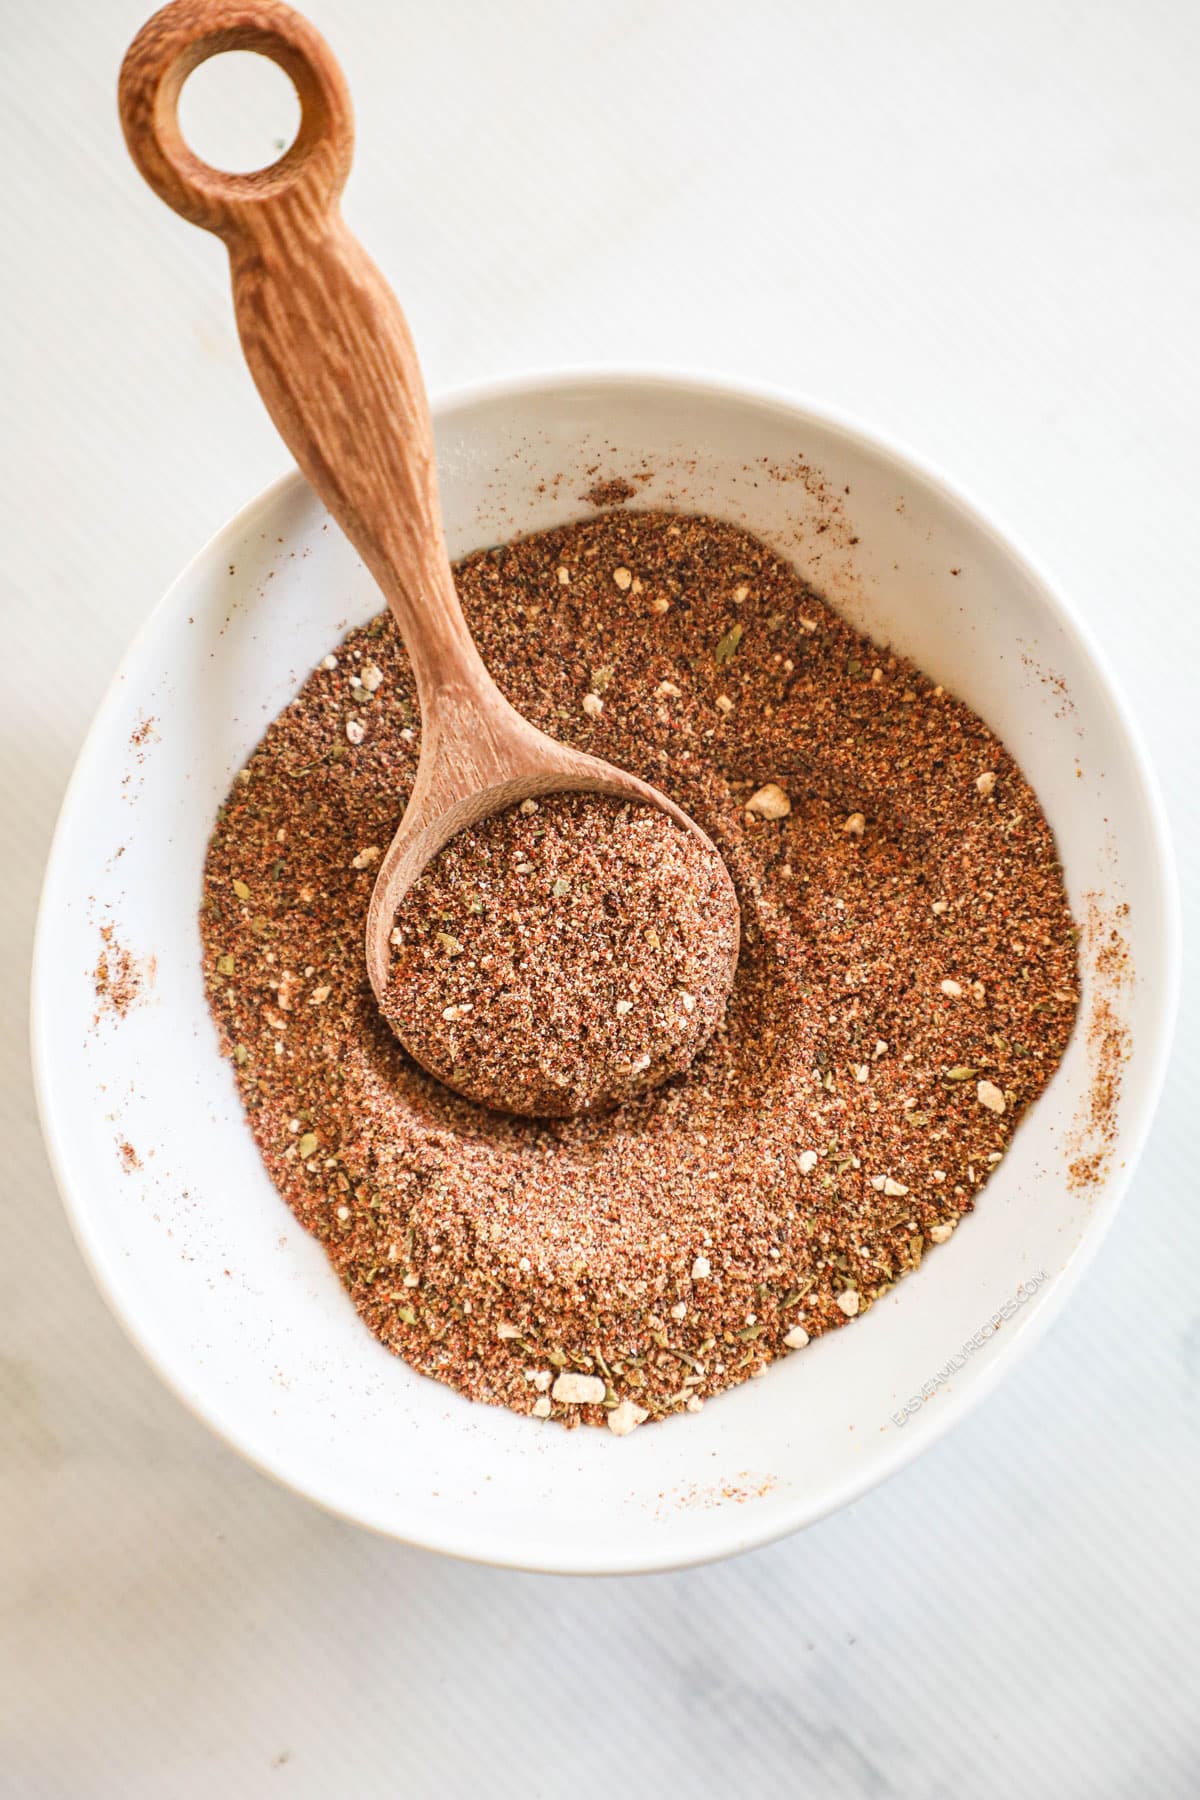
x,y
447,805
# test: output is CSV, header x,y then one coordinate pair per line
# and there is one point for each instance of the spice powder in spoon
x,y
907,983
563,955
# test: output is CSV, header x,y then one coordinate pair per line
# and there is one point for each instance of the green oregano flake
x,y
727,647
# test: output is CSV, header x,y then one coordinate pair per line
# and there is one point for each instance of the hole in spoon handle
x,y
309,176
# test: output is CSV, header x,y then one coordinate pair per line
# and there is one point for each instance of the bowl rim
x,y
726,1536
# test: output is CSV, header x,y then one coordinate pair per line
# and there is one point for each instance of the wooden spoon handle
x,y
322,332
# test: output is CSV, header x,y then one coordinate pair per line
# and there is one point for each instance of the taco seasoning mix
x,y
906,986
563,956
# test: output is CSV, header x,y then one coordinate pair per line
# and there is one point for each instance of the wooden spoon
x,y
331,353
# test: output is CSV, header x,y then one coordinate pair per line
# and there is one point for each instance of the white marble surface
x,y
975,226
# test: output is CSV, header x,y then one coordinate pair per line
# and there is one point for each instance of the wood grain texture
x,y
331,353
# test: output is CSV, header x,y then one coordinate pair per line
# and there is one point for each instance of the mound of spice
x,y
564,955
906,985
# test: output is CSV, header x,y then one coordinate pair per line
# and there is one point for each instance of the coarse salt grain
x,y
625,1417
807,1161
578,1390
701,1269
796,1338
989,1095
593,705
769,802
847,1300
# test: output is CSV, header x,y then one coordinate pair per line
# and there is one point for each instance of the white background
x,y
976,227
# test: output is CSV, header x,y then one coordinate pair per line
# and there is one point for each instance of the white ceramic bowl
x,y
225,1295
